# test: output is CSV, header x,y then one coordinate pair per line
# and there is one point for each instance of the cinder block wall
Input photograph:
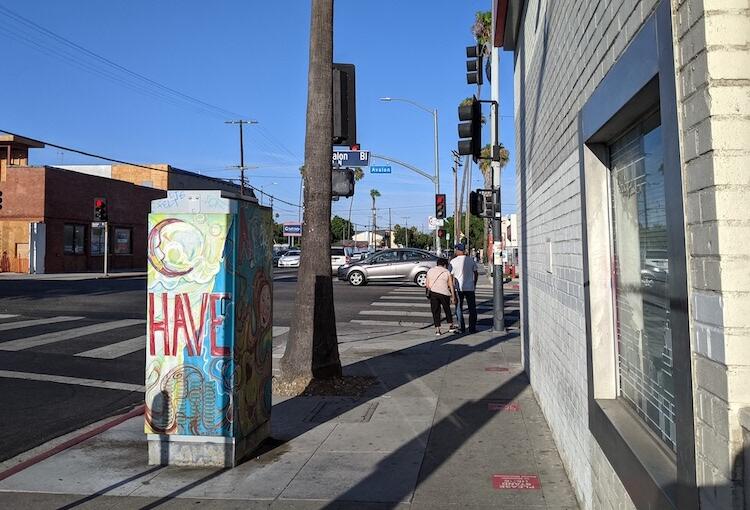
x,y
565,49
713,69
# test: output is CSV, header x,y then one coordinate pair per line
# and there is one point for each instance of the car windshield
x,y
292,253
337,252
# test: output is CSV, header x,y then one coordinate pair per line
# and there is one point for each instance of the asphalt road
x,y
54,334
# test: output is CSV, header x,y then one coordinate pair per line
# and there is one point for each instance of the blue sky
x,y
249,58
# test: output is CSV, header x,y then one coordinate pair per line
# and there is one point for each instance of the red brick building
x,y
46,212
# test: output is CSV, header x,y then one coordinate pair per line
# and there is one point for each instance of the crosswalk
x,y
409,307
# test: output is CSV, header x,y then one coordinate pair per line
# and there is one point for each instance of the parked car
x,y
398,265
277,255
338,258
290,259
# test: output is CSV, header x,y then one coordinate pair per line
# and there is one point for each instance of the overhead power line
x,y
59,47
123,162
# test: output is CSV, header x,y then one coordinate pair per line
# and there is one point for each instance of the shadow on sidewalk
x,y
294,417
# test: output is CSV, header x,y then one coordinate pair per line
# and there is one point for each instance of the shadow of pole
x,y
450,428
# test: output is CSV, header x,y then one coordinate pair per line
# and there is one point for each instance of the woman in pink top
x,y
441,292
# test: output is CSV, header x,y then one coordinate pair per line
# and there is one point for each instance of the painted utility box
x,y
209,335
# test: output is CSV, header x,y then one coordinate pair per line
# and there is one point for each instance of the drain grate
x,y
350,411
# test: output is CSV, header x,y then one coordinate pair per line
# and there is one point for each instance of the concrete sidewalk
x,y
452,423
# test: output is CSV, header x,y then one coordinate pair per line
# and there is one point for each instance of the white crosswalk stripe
x,y
117,349
62,379
68,334
7,326
406,313
7,315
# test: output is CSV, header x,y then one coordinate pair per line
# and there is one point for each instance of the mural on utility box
x,y
209,322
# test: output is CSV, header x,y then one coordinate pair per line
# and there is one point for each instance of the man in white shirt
x,y
465,275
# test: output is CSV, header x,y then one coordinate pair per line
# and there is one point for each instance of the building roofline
x,y
506,23
21,140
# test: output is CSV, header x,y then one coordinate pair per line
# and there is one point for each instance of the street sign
x,y
380,169
351,158
292,229
98,224
434,223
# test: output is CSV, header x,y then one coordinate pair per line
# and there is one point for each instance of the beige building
x,y
633,173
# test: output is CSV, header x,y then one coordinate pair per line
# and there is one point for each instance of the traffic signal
x,y
344,105
475,56
441,232
471,131
342,182
1,199
440,206
100,209
476,203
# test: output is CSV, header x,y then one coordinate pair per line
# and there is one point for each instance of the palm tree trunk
x,y
312,347
349,224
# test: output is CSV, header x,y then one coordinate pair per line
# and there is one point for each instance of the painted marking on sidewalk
x,y
62,379
57,336
421,297
495,369
116,350
397,324
36,322
7,315
509,407
279,330
516,482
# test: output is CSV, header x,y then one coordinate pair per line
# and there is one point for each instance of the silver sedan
x,y
398,265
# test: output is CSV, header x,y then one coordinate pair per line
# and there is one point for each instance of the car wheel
x,y
421,279
356,278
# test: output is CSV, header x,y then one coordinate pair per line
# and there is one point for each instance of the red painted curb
x,y
72,442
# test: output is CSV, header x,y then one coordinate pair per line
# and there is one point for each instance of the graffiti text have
x,y
181,319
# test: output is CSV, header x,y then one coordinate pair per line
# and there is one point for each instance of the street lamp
x,y
434,114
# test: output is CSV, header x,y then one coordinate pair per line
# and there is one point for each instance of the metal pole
x,y
498,322
242,163
390,227
437,171
455,199
106,245
406,242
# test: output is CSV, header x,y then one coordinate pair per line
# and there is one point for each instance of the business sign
x,y
351,158
380,169
292,229
434,223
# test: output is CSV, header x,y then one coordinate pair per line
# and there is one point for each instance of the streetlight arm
x,y
413,103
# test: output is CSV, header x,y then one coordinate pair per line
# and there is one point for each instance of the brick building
x,y
46,212
632,150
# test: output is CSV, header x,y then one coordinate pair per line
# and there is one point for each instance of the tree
x,y
358,175
339,228
312,348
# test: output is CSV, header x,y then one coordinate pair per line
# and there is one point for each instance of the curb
x,y
72,442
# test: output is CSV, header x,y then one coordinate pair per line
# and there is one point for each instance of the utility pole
x,y
390,231
242,166
406,241
456,219
374,228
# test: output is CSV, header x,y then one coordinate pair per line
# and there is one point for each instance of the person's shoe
x,y
472,331
438,332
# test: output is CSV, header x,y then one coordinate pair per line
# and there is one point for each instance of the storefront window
x,y
97,241
73,239
644,340
122,241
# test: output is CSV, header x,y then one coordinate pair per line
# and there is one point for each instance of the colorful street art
x,y
208,367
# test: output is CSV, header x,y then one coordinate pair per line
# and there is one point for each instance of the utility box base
x,y
203,451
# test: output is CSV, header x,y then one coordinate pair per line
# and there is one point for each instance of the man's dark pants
x,y
471,303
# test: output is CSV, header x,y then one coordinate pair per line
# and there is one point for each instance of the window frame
x,y
75,239
640,80
130,240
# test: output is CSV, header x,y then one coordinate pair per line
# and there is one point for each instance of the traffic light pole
x,y
106,246
498,315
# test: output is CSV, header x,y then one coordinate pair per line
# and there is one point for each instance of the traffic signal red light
x,y
440,206
441,232
100,209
